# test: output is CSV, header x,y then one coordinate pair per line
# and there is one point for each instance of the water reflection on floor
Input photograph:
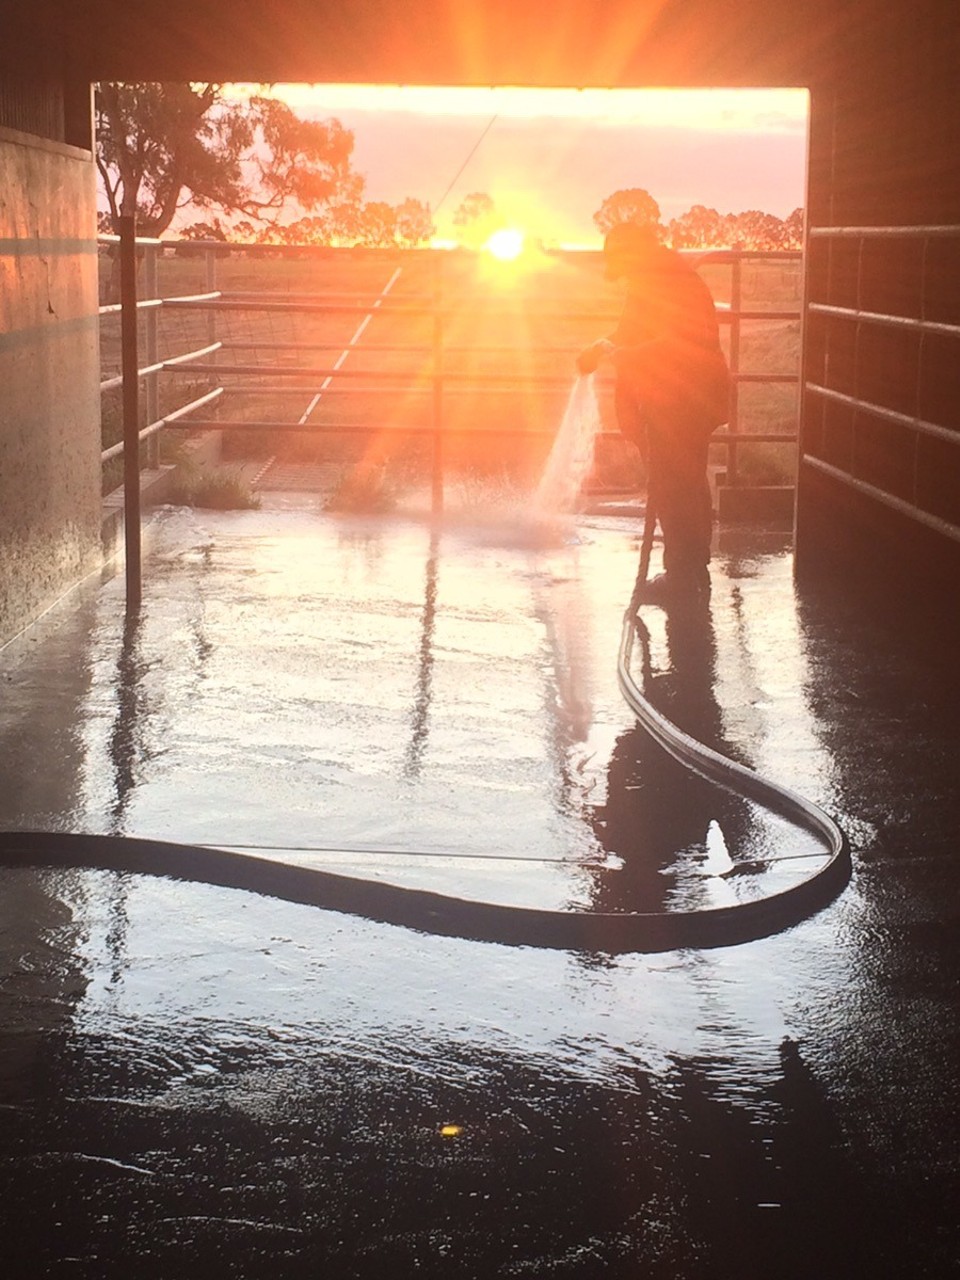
x,y
196,1078
442,706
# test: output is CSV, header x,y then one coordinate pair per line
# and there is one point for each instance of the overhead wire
x,y
470,154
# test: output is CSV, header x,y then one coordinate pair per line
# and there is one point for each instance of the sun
x,y
506,244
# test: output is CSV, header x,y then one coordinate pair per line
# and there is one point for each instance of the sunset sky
x,y
551,156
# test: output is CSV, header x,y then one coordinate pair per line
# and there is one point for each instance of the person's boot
x,y
675,588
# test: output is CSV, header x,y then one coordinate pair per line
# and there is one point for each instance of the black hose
x,y
646,548
442,914
418,909
741,780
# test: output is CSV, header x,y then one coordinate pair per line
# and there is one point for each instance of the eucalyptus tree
x,y
631,204
163,146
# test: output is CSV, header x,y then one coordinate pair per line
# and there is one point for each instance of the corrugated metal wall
x,y
32,106
880,439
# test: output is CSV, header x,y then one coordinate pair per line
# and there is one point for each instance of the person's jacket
x,y
669,357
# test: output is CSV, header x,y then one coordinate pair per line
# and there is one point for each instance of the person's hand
x,y
589,358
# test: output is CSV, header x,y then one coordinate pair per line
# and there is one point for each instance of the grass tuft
x,y
363,490
219,490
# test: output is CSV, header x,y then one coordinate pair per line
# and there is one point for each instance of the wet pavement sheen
x,y
195,1080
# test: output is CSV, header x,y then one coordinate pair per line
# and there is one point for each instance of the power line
x,y
471,154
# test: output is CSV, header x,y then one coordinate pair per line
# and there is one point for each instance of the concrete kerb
x,y
768,505
156,486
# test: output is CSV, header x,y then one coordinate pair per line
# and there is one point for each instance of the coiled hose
x,y
442,914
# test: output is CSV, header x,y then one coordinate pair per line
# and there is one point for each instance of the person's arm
x,y
626,346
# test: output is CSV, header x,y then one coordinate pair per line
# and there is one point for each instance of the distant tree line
x,y
374,224
278,179
163,147
700,227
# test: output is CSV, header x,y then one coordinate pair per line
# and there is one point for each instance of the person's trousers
x,y
680,494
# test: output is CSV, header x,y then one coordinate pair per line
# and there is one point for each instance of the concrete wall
x,y
49,375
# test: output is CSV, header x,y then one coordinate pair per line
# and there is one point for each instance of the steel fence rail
x,y
860,320
149,304
169,365
423,309
889,321
884,233
385,375
167,421
920,425
900,505
437,380
378,428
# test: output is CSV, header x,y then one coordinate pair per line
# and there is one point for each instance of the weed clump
x,y
363,490
218,490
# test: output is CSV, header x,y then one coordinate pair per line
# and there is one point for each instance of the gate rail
x,y
439,384
848,280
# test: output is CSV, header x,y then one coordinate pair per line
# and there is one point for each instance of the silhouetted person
x,y
672,391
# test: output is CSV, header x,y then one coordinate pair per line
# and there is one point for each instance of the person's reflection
x,y
419,723
669,827
125,745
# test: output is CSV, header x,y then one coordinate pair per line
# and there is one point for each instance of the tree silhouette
x,y
378,224
212,230
702,228
375,224
414,222
698,228
473,208
793,229
632,204
475,218
162,146
754,229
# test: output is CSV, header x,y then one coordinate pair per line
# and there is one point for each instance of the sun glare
x,y
745,110
545,159
506,244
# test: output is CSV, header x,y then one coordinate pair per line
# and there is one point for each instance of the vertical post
x,y
152,349
129,364
736,303
437,473
210,262
811,263
925,294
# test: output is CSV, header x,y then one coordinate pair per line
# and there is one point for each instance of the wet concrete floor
x,y
196,1080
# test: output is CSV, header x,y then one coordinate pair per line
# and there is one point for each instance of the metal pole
x,y
131,408
646,547
736,305
210,265
437,497
151,343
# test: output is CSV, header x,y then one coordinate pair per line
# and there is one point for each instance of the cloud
x,y
747,110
